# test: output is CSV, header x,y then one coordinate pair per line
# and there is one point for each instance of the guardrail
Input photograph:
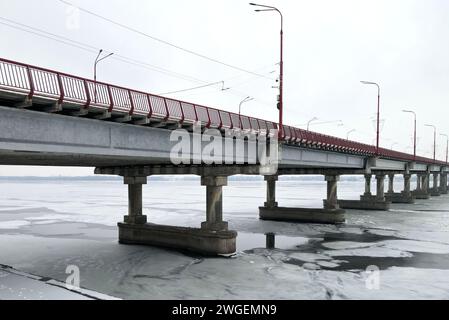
x,y
36,82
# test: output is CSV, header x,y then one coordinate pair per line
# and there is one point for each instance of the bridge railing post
x,y
135,204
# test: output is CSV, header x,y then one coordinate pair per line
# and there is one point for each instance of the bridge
x,y
50,118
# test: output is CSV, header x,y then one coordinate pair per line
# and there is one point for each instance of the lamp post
x,y
378,112
310,121
247,99
349,133
414,133
98,60
281,77
434,140
447,145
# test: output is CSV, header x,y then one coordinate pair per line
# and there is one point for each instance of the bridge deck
x,y
39,89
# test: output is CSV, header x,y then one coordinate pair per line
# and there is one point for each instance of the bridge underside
x,y
135,152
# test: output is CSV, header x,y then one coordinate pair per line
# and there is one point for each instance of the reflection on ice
x,y
248,241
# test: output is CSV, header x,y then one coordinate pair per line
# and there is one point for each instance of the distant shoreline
x,y
161,178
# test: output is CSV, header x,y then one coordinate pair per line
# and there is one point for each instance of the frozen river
x,y
46,226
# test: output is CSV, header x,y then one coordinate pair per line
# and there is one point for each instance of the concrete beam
x,y
294,156
386,164
180,170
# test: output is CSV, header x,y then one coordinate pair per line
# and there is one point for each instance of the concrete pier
x,y
422,185
435,191
271,191
212,238
135,207
402,197
443,183
214,203
367,200
330,214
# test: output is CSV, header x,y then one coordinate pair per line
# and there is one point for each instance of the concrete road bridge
x,y
49,118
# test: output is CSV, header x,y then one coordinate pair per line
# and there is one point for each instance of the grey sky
x,y
329,47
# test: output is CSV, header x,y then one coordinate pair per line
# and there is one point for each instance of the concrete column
x,y
407,184
271,191
135,215
443,183
367,185
214,203
391,183
435,181
331,201
380,194
435,191
418,182
425,182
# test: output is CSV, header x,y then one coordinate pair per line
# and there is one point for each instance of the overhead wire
x,y
191,52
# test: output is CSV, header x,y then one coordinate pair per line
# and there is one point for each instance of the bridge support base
x,y
422,187
325,216
190,239
421,195
330,214
368,201
213,238
372,204
405,196
401,197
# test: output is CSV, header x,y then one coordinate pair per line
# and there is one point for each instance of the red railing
x,y
36,82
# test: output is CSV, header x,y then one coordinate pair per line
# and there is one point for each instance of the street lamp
x,y
447,145
98,60
349,133
281,77
339,123
378,112
247,99
434,140
414,133
310,121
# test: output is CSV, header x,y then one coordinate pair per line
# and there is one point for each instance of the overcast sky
x,y
329,47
